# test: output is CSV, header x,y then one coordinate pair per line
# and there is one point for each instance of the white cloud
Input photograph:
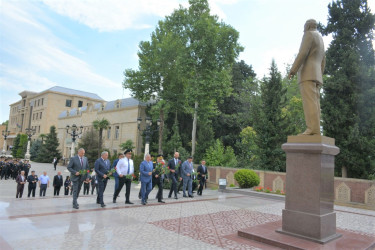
x,y
37,52
112,15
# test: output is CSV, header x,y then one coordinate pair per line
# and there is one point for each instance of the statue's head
x,y
310,25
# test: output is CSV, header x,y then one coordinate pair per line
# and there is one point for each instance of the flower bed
x,y
269,190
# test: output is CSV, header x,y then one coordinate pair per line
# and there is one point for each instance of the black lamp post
x,y
74,132
148,131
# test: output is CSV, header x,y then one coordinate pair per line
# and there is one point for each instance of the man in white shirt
x,y
125,169
43,183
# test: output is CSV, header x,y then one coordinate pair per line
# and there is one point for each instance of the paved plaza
x,y
210,221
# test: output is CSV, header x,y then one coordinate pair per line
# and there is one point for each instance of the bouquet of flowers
x,y
194,175
129,176
161,169
111,171
178,166
84,172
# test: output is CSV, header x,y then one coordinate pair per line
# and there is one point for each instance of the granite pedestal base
x,y
309,197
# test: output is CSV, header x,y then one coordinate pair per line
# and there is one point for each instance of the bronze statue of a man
x,y
309,64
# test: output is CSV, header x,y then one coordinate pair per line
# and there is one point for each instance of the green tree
x,y
348,103
211,48
90,142
49,149
42,136
295,116
127,145
247,147
187,63
6,124
16,143
234,110
270,124
21,150
100,125
218,155
35,149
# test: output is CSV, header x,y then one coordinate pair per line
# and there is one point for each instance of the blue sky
x,y
87,44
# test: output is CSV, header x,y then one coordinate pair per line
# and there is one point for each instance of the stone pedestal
x,y
309,197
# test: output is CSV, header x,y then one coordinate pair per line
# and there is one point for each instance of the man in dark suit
x,y
32,180
57,184
102,166
21,180
202,173
77,163
145,170
174,164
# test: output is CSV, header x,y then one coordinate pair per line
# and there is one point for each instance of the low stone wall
x,y
347,190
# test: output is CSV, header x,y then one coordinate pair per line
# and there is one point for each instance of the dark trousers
x,y
76,189
128,183
180,185
54,165
43,188
66,190
116,181
86,188
56,190
94,187
158,183
173,186
201,184
102,184
20,188
31,189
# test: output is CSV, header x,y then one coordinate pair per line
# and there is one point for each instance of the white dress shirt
x,y
123,165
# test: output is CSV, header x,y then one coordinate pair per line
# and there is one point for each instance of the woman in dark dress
x,y
67,185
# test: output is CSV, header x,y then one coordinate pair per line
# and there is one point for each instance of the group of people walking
x,y
151,175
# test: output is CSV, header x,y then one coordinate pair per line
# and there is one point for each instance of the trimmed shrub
x,y
246,178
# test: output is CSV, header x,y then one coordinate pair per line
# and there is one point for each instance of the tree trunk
x,y
161,130
193,136
100,141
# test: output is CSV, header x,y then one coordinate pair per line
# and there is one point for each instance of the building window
x,y
40,116
42,101
80,103
109,133
36,116
117,130
38,102
39,129
24,103
68,103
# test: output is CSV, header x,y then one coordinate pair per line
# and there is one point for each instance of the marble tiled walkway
x,y
207,222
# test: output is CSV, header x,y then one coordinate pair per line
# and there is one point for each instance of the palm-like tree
x,y
43,136
100,125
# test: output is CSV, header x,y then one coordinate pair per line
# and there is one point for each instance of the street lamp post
x,y
5,134
30,132
74,132
148,131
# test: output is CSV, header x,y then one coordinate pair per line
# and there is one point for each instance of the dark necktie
x,y
128,166
81,161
